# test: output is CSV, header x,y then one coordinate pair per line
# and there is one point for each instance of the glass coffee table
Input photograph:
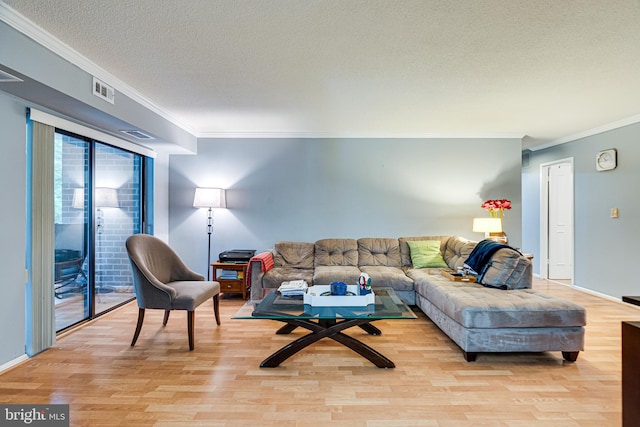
x,y
326,322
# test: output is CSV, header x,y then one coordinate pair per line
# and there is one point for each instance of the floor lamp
x,y
209,198
104,198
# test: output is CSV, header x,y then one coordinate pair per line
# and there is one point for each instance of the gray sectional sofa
x,y
479,318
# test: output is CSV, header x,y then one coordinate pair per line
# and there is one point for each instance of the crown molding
x,y
590,132
355,135
27,27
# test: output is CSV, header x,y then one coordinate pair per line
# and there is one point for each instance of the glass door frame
x,y
144,180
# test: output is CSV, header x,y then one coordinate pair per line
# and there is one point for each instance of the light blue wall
x,y
13,215
12,232
604,247
54,83
309,189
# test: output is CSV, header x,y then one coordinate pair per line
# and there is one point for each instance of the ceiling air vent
x,y
6,77
137,134
101,90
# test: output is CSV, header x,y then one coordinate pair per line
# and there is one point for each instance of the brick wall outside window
x,y
117,169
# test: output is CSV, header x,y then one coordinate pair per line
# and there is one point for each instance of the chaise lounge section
x,y
500,314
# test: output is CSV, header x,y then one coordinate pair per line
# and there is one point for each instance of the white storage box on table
x,y
320,296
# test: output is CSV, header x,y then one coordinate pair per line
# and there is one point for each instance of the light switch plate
x,y
614,212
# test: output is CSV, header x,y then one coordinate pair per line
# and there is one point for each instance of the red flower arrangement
x,y
496,207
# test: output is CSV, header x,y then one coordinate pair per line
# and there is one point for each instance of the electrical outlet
x,y
614,212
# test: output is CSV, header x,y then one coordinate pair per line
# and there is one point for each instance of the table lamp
x,y
487,226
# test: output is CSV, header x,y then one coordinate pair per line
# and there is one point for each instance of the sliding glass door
x,y
72,232
98,204
118,208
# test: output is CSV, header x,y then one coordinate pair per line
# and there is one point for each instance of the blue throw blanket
x,y
480,256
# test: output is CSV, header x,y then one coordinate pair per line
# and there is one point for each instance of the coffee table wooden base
x,y
327,329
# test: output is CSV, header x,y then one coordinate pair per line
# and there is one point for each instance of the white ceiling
x,y
545,70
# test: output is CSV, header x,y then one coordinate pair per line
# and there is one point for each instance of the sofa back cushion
x,y
405,252
330,252
508,269
293,254
456,251
379,251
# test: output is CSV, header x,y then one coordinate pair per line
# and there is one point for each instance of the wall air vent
x,y
137,134
6,77
101,90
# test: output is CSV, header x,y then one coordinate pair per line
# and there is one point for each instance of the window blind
x,y
41,318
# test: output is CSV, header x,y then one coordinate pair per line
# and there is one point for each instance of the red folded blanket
x,y
265,259
266,263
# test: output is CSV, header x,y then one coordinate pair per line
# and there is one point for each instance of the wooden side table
x,y
231,277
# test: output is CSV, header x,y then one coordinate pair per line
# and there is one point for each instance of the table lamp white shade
x,y
210,198
487,225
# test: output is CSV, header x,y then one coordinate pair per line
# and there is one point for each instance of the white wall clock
x,y
606,160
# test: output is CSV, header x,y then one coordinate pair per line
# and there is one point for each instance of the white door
x,y
560,252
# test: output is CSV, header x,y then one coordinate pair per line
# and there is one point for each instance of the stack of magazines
x,y
293,288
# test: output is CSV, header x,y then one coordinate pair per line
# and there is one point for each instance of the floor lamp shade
x,y
104,198
78,198
107,198
210,198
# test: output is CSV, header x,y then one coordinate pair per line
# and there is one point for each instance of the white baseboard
x,y
10,364
590,292
600,294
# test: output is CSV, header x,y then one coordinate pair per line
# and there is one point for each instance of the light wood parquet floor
x,y
160,383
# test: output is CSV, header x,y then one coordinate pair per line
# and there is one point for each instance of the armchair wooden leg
x,y
216,307
190,321
138,326
166,317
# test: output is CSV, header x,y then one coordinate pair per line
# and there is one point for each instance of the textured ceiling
x,y
546,69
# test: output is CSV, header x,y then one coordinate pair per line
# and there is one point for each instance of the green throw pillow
x,y
426,254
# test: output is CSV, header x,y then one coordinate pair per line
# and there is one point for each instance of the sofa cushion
x,y
326,274
293,255
508,269
422,273
405,252
336,252
475,306
456,250
390,277
426,253
378,251
274,277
